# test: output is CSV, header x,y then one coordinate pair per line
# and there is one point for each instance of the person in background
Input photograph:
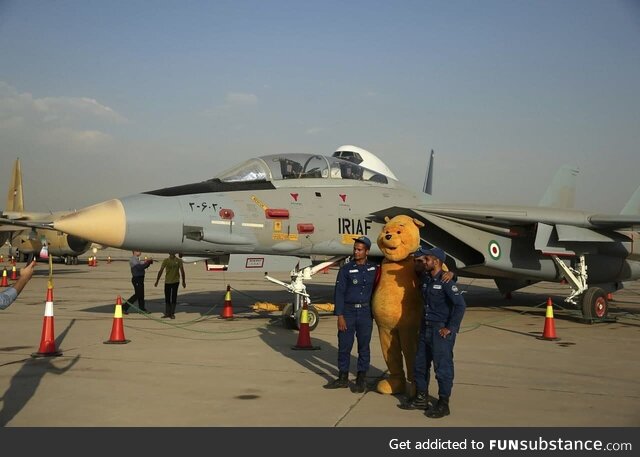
x,y
175,270
138,268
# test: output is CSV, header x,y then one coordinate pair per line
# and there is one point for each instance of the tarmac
x,y
203,371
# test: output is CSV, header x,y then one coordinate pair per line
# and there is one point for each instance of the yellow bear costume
x,y
397,305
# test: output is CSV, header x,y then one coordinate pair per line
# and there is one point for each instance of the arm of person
x,y
184,277
159,275
457,309
8,296
447,275
338,298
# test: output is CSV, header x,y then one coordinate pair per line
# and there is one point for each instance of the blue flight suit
x,y
443,307
354,287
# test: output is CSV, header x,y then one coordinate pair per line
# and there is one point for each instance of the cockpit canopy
x,y
299,166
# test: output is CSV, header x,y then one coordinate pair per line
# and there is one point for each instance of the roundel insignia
x,y
355,281
494,250
454,289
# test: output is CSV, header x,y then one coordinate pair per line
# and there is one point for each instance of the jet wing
x,y
508,216
615,221
475,236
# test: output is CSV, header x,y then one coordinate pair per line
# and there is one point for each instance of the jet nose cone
x,y
104,223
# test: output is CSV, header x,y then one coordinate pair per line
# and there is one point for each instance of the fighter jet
x,y
307,205
29,243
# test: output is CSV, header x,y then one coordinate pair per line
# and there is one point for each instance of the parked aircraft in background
x,y
307,205
24,243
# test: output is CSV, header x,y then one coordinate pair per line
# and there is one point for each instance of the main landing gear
x,y
592,301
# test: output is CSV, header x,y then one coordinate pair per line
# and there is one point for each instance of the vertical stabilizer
x,y
561,193
428,177
15,198
632,208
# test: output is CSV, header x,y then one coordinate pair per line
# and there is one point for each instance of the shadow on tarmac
x,y
26,381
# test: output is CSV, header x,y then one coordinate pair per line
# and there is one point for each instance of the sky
x,y
102,99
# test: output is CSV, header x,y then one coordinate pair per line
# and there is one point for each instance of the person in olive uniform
x,y
354,287
175,270
444,309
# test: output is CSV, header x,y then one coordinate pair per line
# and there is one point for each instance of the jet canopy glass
x,y
298,166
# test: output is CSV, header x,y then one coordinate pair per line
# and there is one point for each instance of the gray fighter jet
x,y
308,205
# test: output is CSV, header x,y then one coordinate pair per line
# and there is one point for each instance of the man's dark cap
x,y
435,252
364,240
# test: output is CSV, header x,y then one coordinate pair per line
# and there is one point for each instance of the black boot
x,y
441,409
342,381
361,382
420,401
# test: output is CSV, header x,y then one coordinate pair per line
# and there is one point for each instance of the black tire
x,y
288,320
594,304
312,316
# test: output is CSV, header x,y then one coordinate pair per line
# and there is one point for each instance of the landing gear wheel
x,y
288,320
312,316
594,304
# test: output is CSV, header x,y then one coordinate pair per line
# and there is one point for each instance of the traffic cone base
x,y
549,332
37,355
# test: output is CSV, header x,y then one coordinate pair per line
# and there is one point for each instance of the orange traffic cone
x,y
227,309
109,259
47,340
14,273
549,332
4,282
117,329
13,260
304,336
1,258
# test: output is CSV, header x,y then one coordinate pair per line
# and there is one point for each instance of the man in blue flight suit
x,y
443,311
354,287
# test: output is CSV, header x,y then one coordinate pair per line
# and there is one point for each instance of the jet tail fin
x,y
632,208
561,193
427,188
15,197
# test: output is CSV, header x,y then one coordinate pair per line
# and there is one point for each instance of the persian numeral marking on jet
x,y
203,206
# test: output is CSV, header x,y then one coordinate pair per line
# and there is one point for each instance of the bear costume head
x,y
400,237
